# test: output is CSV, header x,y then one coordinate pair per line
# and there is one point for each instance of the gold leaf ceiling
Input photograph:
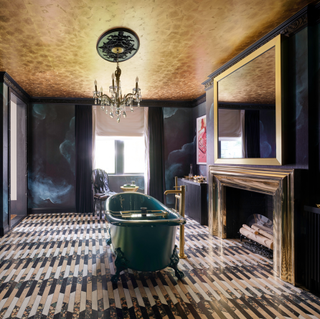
x,y
49,46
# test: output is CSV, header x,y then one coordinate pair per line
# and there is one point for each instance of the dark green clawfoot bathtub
x,y
142,233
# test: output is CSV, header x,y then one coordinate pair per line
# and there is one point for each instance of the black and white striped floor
x,y
59,266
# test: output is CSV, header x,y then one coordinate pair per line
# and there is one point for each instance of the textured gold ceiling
x,y
49,46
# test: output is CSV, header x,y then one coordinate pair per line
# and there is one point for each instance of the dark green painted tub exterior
x,y
147,244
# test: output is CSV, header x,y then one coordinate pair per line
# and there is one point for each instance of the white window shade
x,y
132,125
231,123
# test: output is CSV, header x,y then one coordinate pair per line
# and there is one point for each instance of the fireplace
x,y
241,205
279,183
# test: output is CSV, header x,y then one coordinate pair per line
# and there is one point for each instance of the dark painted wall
x,y
314,113
296,101
179,144
4,148
316,126
51,147
303,128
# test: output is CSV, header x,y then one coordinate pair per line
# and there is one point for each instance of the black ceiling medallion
x,y
118,43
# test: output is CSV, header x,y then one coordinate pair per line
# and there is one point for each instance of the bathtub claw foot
x,y
174,259
179,274
115,278
120,263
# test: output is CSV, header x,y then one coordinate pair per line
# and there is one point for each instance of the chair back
x,y
100,181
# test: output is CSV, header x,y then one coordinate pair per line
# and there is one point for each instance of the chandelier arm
x,y
127,95
108,98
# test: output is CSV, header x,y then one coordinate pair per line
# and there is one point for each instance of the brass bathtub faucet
x,y
180,195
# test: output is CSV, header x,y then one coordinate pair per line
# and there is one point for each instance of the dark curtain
x,y
156,153
84,196
252,133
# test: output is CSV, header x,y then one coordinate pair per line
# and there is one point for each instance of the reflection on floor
x,y
59,266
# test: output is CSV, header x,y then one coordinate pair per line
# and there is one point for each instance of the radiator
x,y
312,265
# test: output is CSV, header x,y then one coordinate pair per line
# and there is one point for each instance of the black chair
x,y
100,185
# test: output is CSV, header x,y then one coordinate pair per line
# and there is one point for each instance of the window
x,y
133,155
105,154
231,147
120,155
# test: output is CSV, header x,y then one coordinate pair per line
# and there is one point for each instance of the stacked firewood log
x,y
261,234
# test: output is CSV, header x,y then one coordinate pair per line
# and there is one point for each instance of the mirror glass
x,y
248,109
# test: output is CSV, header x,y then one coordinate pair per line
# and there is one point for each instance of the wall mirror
x,y
247,109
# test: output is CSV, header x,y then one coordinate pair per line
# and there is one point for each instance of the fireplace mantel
x,y
279,183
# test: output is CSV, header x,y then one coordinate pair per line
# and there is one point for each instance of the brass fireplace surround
x,y
278,183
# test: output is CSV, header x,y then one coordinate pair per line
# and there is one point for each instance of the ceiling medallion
x,y
122,38
117,45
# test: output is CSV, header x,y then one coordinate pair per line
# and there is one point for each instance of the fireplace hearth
x,y
257,249
279,183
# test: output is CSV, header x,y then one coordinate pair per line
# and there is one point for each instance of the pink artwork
x,y
201,140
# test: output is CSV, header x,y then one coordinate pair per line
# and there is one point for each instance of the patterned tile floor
x,y
59,266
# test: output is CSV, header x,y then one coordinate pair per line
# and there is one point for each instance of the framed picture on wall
x,y
201,140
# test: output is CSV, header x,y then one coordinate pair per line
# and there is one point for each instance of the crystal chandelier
x,y
117,45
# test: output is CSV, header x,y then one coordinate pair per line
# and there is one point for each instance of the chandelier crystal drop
x,y
116,45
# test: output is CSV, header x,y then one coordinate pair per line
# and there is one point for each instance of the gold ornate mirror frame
x,y
276,43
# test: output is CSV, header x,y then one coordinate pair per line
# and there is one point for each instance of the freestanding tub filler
x,y
142,233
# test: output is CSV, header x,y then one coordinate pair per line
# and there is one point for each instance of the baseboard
x,y
48,210
4,230
16,221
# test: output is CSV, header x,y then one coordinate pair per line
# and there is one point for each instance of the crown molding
x,y
14,87
317,12
208,84
90,101
24,96
201,99
295,26
62,100
167,103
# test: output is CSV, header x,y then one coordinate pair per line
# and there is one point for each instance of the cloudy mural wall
x,y
51,178
180,143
